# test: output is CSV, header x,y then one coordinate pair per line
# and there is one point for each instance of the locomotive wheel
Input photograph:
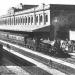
x,y
38,49
32,48
35,48
29,47
26,46
50,50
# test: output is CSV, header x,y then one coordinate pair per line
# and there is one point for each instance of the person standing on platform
x,y
57,45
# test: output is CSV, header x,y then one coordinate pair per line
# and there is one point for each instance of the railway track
x,y
20,64
69,60
64,68
52,68
9,67
60,64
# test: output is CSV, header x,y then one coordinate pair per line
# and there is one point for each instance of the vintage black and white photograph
x,y
37,37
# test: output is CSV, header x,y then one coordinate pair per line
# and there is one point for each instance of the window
x,y
36,19
16,21
25,19
6,21
31,19
28,19
10,21
46,18
21,20
40,18
3,22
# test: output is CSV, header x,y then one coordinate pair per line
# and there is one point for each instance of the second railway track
x,y
29,68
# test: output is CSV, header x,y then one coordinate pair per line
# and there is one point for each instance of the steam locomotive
x,y
43,46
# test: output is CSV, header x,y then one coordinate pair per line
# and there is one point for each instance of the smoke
x,y
60,22
63,22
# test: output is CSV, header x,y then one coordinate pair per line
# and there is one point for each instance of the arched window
x,y
3,21
21,20
36,19
40,18
46,18
25,19
7,21
28,19
12,21
31,19
16,21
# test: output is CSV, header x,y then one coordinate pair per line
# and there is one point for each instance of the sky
x,y
6,4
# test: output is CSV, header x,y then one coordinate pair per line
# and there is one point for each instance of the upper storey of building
x,y
20,8
26,18
37,17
